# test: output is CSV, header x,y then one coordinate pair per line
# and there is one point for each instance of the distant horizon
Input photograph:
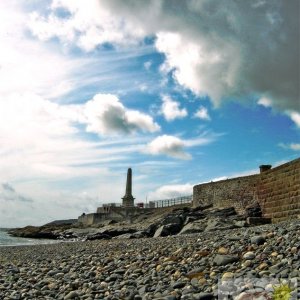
x,y
183,92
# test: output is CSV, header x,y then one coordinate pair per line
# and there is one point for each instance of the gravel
x,y
170,268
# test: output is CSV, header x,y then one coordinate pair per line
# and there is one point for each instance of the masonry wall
x,y
237,192
278,191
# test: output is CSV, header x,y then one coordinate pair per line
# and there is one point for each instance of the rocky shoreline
x,y
185,266
182,220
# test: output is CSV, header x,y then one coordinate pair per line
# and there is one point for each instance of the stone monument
x,y
128,200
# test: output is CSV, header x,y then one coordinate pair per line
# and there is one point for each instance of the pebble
x,y
249,255
168,268
258,240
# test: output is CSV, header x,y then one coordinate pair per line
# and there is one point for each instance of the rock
x,y
227,276
173,219
253,210
222,260
219,224
223,250
249,255
178,285
150,231
193,227
255,221
97,236
112,232
166,230
258,240
203,296
222,212
71,295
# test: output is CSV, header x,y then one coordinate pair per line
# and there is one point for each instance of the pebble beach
x,y
175,267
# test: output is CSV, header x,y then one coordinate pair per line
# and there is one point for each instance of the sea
x,y
7,240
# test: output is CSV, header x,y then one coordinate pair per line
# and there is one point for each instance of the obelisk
x,y
128,200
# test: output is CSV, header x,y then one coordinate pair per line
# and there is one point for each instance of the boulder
x,y
150,231
253,211
173,219
193,227
223,212
169,229
219,224
97,236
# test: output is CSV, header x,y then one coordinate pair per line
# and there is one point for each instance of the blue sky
x,y
183,92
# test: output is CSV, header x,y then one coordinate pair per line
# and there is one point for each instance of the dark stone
x,y
222,260
118,231
149,232
178,285
258,240
258,221
223,212
193,227
253,211
97,236
166,230
203,296
219,224
172,219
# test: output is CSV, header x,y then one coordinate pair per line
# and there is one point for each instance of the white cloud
x,y
266,102
167,145
171,191
174,147
295,147
202,113
86,25
295,116
105,114
171,109
292,146
210,55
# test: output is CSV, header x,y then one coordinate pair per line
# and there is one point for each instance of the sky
x,y
183,92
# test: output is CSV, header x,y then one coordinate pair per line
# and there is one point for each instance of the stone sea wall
x,y
237,192
277,191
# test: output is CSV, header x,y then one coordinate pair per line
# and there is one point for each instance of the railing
x,y
173,201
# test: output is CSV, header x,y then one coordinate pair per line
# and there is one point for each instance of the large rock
x,y
173,219
219,224
166,230
193,227
253,211
223,212
43,232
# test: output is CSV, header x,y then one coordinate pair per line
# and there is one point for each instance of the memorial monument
x,y
128,200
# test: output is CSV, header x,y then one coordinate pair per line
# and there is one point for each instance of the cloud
x,y
8,193
170,109
105,114
167,145
216,53
202,113
295,117
171,191
292,146
173,146
87,26
266,102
